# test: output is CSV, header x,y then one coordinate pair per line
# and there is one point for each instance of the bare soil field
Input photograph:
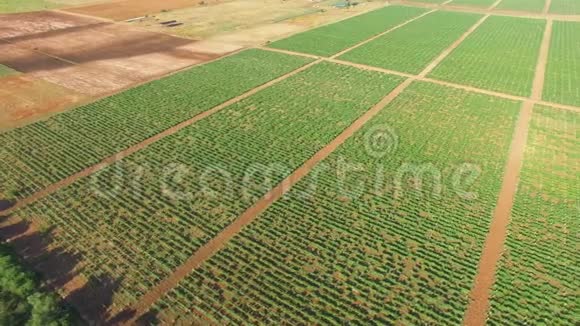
x,y
24,99
84,57
123,10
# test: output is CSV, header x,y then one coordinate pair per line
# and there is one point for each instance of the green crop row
x,y
145,215
563,69
537,282
350,244
414,46
524,5
477,3
331,39
48,151
501,55
565,7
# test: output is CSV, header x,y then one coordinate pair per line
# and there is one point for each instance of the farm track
x,y
547,7
222,239
476,313
491,10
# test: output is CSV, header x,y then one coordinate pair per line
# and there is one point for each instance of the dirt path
x,y
119,156
495,4
476,313
547,7
222,239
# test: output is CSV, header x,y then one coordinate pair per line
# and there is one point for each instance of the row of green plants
x,y
331,39
360,251
143,216
537,282
501,55
563,70
48,151
523,5
412,47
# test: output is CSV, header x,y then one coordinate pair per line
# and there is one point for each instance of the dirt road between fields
x,y
476,313
222,239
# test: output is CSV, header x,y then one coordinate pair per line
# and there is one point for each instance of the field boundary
x,y
221,239
547,6
476,313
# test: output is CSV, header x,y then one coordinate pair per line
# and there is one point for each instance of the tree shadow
x,y
5,204
58,270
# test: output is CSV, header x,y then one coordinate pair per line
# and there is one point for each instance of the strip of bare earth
x,y
547,7
476,313
221,240
495,4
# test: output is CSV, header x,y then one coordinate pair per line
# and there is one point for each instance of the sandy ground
x,y
250,23
84,58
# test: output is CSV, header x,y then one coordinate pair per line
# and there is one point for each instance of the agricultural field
x,y
524,5
369,236
477,3
331,186
331,39
143,216
501,55
5,71
563,68
540,267
413,46
565,7
48,151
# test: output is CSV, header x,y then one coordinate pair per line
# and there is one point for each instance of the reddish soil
x,y
36,24
123,10
25,61
89,57
24,99
476,314
547,7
